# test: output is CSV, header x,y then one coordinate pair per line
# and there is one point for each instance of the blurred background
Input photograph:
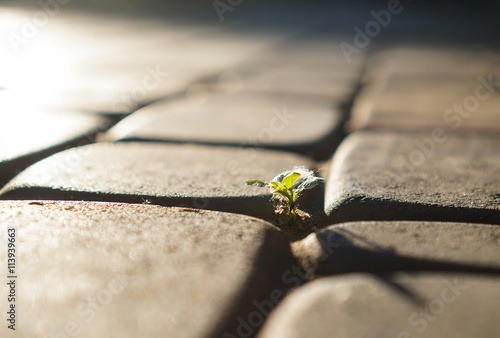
x,y
112,58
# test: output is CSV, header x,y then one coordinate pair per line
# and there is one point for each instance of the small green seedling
x,y
286,189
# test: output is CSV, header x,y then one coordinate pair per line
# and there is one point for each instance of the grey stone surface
x,y
297,123
304,82
453,104
312,65
106,269
429,86
431,175
28,136
400,246
172,175
402,306
430,61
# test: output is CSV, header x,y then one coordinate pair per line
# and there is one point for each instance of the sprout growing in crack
x,y
287,187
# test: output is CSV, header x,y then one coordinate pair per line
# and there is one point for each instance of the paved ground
x,y
127,138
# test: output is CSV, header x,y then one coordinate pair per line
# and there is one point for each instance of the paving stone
x,y
312,66
313,48
429,176
149,59
28,136
402,306
172,175
400,246
430,61
425,103
119,96
105,269
302,83
303,124
280,66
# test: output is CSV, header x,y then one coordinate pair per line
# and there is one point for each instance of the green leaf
x,y
279,177
290,179
258,183
277,186
310,183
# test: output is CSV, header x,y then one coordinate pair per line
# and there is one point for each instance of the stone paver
x,y
400,246
432,175
205,97
302,83
172,175
431,62
28,136
403,306
416,103
304,124
149,59
105,269
309,66
410,87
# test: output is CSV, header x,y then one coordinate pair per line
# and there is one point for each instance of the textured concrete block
x,y
172,175
400,246
403,306
105,269
431,175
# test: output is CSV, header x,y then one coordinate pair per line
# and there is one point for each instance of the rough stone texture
x,y
416,86
386,176
400,246
297,123
427,103
116,270
27,137
402,306
172,175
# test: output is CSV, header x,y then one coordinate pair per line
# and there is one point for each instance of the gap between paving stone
x,y
400,246
202,177
60,132
300,124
